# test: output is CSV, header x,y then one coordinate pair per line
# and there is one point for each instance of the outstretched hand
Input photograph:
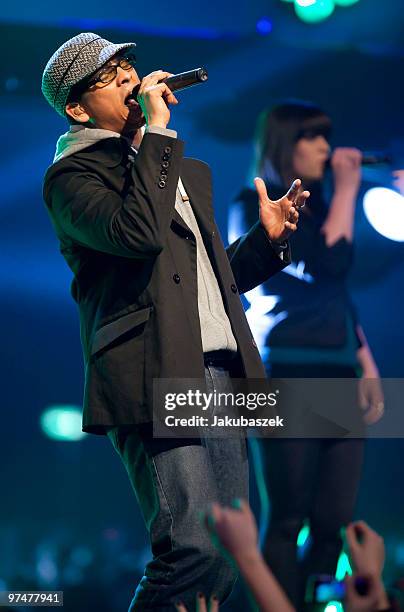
x,y
366,549
233,530
367,554
279,217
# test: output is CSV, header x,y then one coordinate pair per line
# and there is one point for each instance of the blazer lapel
x,y
196,180
178,224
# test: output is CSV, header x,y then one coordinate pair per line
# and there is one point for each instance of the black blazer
x,y
135,271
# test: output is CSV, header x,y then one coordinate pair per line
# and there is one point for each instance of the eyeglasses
x,y
107,74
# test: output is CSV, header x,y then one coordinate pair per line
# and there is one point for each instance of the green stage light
x,y
304,533
62,422
343,567
345,2
314,11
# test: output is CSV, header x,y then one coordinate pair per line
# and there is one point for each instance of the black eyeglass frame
x,y
105,75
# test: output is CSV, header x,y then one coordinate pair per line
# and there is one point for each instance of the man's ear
x,y
77,112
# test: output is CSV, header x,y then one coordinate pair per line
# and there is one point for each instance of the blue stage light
x,y
384,209
264,26
12,84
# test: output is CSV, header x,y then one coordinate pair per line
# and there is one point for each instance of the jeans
x,y
174,480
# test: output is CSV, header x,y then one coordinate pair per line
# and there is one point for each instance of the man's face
x,y
105,104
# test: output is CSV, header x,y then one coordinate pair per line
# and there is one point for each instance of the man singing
x,y
158,296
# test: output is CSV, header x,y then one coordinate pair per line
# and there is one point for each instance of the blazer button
x,y
167,150
234,288
163,174
166,157
165,164
162,184
176,278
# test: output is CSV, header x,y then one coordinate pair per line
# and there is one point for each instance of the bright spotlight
x,y
384,209
313,11
62,423
334,606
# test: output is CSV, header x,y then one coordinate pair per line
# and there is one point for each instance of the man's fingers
x,y
213,604
154,78
151,79
180,607
293,215
261,189
294,190
170,97
302,198
155,88
161,90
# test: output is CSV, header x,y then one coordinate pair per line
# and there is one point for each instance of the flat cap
x,y
76,59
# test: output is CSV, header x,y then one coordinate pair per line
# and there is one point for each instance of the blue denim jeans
x,y
174,480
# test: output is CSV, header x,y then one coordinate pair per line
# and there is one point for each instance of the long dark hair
x,y
279,128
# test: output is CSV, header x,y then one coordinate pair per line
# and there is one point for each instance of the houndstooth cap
x,y
76,59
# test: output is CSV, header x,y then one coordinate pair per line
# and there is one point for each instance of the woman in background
x,y
310,331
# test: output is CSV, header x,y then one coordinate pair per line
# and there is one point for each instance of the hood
x,y
79,137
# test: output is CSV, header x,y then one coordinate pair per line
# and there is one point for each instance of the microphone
x,y
370,159
374,159
178,82
183,80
